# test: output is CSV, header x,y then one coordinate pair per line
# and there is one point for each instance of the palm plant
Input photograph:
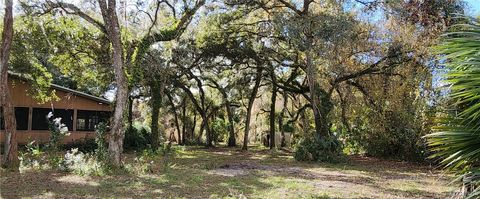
x,y
456,140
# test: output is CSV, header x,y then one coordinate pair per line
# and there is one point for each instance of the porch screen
x,y
21,118
86,120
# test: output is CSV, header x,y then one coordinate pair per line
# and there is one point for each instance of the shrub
x,y
33,158
101,152
58,130
393,135
219,130
191,142
85,145
137,138
38,157
314,148
404,144
95,163
148,160
82,163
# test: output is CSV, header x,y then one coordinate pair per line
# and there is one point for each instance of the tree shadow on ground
x,y
373,172
217,172
174,183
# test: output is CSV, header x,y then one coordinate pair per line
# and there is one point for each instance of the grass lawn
x,y
230,173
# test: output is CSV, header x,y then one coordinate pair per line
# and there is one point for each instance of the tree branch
x,y
291,6
74,10
168,34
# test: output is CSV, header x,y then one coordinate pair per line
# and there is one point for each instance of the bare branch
x,y
169,34
154,20
291,6
74,10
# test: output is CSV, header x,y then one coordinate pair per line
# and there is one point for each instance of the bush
x,y
82,163
395,136
192,142
101,152
314,148
85,145
137,138
148,160
219,130
95,163
404,144
33,158
58,131
38,157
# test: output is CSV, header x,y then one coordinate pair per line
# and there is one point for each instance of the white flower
x,y
64,130
58,121
50,114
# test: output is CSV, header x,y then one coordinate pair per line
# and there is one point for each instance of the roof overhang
x,y
64,89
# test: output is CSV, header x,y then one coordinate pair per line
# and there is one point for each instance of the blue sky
x,y
474,7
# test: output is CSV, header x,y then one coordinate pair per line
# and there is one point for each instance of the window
x,y
93,120
86,120
81,123
39,118
66,115
40,121
21,118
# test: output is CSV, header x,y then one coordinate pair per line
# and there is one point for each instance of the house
x,y
80,112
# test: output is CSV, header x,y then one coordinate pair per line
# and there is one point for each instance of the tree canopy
x,y
330,77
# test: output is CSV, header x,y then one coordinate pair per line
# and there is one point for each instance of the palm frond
x,y
456,140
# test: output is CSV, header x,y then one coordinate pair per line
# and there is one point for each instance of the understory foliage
x,y
392,135
101,152
220,130
314,148
137,137
328,77
82,163
33,158
58,131
455,141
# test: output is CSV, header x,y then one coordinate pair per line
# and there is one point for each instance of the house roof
x,y
64,89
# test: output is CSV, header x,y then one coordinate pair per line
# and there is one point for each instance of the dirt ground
x,y
232,173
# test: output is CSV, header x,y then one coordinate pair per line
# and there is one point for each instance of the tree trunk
x,y
10,155
130,112
272,113
280,120
201,109
232,142
204,126
184,120
321,127
117,132
200,133
177,124
175,117
305,123
252,98
203,113
207,132
156,104
194,125
344,110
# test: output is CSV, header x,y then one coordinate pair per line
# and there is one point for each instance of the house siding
x,y
21,97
